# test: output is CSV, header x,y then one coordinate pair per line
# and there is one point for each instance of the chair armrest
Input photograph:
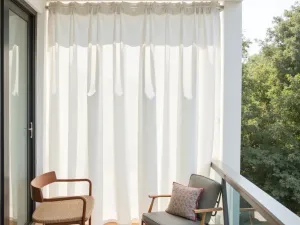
x,y
159,196
57,199
70,198
155,197
204,211
207,210
78,180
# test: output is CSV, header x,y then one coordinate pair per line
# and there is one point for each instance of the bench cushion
x,y
164,218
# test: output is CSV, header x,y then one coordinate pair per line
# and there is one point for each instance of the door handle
x,y
30,129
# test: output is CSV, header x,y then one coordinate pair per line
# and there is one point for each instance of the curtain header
x,y
132,8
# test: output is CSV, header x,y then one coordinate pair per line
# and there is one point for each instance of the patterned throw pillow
x,y
184,200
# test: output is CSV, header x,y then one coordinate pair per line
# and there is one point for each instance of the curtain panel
x,y
132,99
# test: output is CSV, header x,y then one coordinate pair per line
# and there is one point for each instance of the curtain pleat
x,y
133,95
165,156
95,122
147,158
72,110
120,123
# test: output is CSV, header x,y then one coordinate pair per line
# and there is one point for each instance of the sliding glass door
x,y
18,98
18,118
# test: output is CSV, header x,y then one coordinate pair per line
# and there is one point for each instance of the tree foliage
x,y
271,111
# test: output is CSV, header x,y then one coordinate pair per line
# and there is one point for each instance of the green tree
x,y
271,112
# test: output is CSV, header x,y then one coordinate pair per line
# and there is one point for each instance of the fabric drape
x,y
132,95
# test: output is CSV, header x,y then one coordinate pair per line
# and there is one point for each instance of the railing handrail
x,y
272,210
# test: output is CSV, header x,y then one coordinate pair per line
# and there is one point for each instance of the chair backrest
x,y
38,183
212,190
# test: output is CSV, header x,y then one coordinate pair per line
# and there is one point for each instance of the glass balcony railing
x,y
249,216
246,204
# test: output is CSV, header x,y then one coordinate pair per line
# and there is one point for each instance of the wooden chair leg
x,y
90,221
142,222
151,205
203,219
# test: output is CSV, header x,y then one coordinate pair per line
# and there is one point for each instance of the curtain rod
x,y
207,1
220,7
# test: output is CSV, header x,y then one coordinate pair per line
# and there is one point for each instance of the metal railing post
x,y
225,203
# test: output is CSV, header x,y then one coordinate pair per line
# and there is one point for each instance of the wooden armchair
x,y
206,205
60,210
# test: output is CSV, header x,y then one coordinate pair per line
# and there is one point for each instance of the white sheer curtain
x,y
132,99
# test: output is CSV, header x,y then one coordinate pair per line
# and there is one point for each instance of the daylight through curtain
x,y
132,100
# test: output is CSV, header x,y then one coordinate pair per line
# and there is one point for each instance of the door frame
x,y
25,11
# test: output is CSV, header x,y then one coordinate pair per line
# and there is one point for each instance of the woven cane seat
x,y
68,211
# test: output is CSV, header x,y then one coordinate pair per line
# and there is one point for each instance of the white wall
x,y
232,84
37,5
232,95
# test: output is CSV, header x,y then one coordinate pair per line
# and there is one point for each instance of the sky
x,y
258,16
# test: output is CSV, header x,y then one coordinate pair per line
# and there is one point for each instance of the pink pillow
x,y
184,201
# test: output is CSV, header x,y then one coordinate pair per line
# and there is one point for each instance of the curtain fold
x,y
133,100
